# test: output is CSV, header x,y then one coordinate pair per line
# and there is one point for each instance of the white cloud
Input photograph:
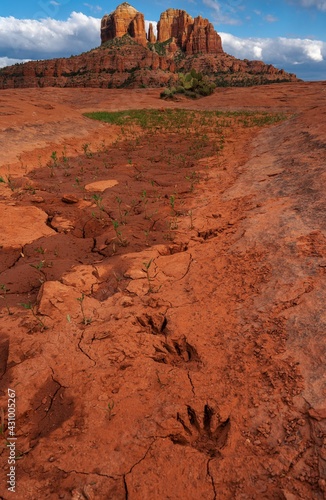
x,y
93,8
306,58
6,61
154,23
224,13
318,4
46,38
275,50
270,18
25,39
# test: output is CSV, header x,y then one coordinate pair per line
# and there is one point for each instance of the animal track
x,y
177,353
153,323
202,437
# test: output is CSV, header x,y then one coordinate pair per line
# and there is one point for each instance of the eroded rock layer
x,y
193,36
124,20
128,57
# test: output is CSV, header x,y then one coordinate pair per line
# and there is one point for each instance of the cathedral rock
x,y
130,57
191,35
125,20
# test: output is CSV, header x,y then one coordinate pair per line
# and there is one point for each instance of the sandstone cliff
x,y
124,20
151,36
126,59
192,36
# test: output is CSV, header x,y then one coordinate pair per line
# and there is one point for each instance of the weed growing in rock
x,y
40,250
31,307
147,266
53,163
122,216
86,321
122,241
97,198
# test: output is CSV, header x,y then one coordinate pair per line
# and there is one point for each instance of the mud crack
x,y
211,478
82,350
124,476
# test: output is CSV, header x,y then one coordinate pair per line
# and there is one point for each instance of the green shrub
x,y
167,94
192,85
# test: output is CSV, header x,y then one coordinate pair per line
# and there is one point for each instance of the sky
x,y
289,34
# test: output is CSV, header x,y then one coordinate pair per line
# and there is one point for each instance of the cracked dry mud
x,y
183,358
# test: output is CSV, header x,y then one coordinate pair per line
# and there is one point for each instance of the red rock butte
x,y
129,56
125,20
190,35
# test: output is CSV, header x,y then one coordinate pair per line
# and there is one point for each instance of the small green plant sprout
x,y
97,198
193,178
5,290
53,163
147,232
146,269
68,317
30,307
39,265
54,158
108,409
64,156
86,321
88,153
2,179
121,216
40,250
31,189
122,241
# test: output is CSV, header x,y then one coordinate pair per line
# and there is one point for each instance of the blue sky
x,y
287,33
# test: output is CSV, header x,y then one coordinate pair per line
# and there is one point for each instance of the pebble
x,y
37,199
69,198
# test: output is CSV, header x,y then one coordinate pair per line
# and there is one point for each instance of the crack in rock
x,y
82,350
212,479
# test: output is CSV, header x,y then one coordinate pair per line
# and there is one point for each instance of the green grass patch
x,y
175,119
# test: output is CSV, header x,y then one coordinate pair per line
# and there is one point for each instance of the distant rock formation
x,y
192,36
151,36
124,20
128,57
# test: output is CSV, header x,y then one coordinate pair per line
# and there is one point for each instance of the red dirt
x,y
203,379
